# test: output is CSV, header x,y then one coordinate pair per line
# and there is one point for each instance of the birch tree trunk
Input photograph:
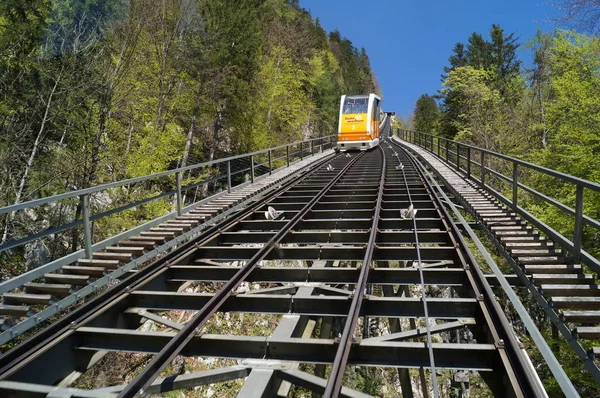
x,y
32,156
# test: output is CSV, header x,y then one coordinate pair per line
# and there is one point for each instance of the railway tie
x,y
566,292
339,273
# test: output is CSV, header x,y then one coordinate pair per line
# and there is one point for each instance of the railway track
x,y
31,298
568,294
344,252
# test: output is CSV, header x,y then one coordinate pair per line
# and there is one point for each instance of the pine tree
x,y
457,59
427,115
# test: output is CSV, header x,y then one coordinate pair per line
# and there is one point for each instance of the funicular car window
x,y
355,105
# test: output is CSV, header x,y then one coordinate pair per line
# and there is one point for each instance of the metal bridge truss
x,y
341,271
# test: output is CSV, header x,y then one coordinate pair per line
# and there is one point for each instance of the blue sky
x,y
409,42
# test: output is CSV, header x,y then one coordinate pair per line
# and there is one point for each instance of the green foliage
x,y
96,91
497,57
581,379
427,115
478,105
550,115
281,104
156,150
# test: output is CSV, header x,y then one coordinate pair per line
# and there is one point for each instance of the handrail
x,y
293,150
98,188
455,156
554,173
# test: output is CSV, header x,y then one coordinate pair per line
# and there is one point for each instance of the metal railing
x,y
494,171
250,166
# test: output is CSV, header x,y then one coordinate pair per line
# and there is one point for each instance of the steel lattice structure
x,y
345,253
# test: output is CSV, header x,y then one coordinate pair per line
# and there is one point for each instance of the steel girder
x,y
332,221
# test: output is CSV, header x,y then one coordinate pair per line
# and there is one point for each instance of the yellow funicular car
x,y
359,122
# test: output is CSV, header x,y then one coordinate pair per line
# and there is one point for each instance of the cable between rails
x,y
423,293
142,381
334,384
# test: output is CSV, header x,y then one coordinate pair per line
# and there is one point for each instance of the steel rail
x,y
555,367
144,379
11,360
526,376
575,247
334,384
434,382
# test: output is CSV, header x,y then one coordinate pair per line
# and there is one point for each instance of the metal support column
x,y
468,162
396,327
578,233
178,195
515,186
287,154
447,156
482,160
228,176
87,226
270,164
252,168
301,151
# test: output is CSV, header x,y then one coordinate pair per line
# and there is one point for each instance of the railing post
x,y
447,152
515,187
578,233
431,142
468,162
270,164
482,169
287,154
312,148
229,176
301,151
438,140
252,169
178,196
87,226
457,156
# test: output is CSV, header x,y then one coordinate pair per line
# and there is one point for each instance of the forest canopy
x,y
97,91
100,90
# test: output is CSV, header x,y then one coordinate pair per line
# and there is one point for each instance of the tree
x,y
457,59
539,77
281,106
573,113
478,52
503,53
427,115
478,103
497,56
581,14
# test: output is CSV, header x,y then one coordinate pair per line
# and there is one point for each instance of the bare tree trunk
x,y
188,146
32,155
